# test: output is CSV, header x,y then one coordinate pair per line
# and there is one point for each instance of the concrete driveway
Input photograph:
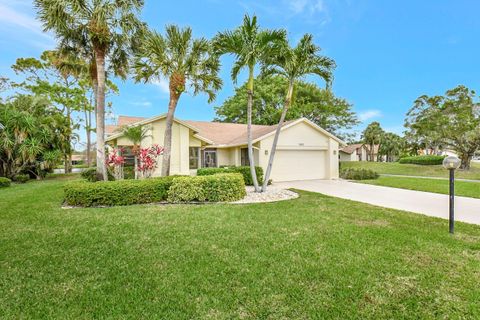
x,y
430,204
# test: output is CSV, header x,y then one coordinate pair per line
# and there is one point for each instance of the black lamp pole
x,y
451,220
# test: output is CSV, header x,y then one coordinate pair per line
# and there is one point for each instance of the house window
x,y
210,158
244,161
194,154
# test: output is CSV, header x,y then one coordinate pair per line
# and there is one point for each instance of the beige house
x,y
354,152
304,151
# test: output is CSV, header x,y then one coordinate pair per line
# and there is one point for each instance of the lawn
x,y
462,188
413,169
312,257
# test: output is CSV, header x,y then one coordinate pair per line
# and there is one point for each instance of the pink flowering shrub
x,y
148,160
115,162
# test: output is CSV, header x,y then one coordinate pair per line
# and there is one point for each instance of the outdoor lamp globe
x,y
451,163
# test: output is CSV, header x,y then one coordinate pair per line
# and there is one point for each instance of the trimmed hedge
x,y
5,182
243,170
220,187
423,160
21,178
117,193
358,174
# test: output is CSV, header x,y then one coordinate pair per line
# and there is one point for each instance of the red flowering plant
x,y
115,162
148,160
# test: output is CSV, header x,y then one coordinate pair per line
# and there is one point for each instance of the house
x,y
353,152
304,151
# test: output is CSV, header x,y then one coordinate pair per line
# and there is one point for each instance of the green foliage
x,y
423,160
449,121
21,178
5,182
31,137
90,175
220,187
310,101
358,174
243,170
373,135
117,193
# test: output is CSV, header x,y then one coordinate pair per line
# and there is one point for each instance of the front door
x,y
210,158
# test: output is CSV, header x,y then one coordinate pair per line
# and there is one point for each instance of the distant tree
x,y
452,121
56,77
186,62
109,29
373,136
392,146
250,46
318,105
135,134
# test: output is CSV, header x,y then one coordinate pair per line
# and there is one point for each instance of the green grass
x,y
414,169
462,188
312,257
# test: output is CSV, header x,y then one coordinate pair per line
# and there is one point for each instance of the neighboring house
x,y
353,152
304,151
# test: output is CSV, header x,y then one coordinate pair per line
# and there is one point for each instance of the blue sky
x,y
387,52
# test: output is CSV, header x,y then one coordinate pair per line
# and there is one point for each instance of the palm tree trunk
x,y
100,115
167,141
288,101
135,167
249,130
68,162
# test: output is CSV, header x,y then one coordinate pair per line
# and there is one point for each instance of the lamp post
x,y
451,163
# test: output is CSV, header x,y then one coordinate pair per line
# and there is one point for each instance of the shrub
x,y
358,174
5,182
21,178
220,187
90,175
423,160
117,193
243,170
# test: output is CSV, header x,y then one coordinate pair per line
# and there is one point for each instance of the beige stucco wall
x,y
304,137
348,157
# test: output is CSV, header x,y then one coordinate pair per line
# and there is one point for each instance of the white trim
x,y
304,148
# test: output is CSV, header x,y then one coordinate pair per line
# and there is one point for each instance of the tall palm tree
x,y
106,27
186,63
294,64
135,134
249,45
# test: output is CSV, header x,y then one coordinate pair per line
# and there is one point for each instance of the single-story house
x,y
353,152
304,150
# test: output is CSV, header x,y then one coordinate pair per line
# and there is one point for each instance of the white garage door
x,y
290,165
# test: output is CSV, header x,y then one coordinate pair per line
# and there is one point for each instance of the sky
x,y
388,53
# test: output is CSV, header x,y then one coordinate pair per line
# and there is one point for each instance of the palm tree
x,y
135,134
185,62
373,136
249,45
294,64
104,28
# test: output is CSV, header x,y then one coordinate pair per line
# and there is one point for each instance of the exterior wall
x,y
180,143
348,157
303,137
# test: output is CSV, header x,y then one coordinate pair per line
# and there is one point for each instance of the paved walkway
x,y
423,177
430,204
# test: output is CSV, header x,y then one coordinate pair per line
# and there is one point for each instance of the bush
x,y
423,160
243,170
5,182
90,175
117,193
212,188
21,178
358,174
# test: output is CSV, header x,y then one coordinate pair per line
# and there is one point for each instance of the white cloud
x,y
13,17
369,114
306,6
143,103
162,84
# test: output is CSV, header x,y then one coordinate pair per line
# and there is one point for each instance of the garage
x,y
290,165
